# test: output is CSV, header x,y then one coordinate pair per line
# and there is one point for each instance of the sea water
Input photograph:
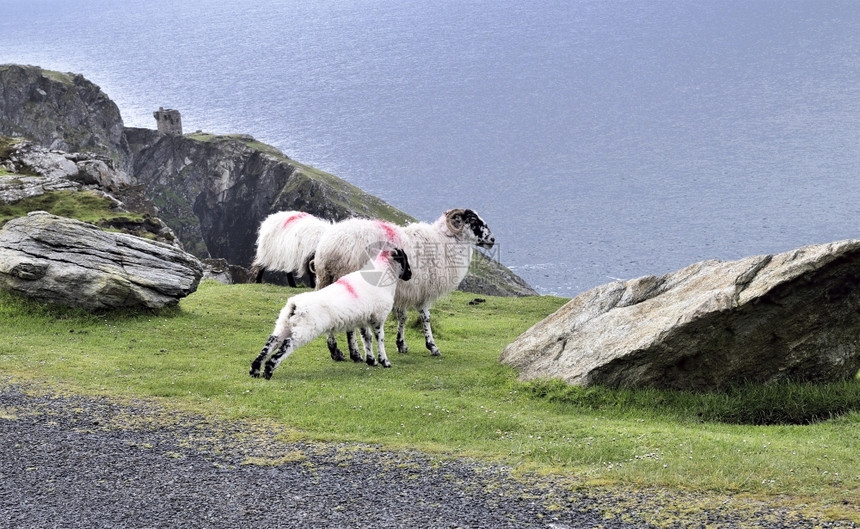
x,y
599,139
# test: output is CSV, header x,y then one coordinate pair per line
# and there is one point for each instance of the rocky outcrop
x,y
72,263
212,191
223,272
35,178
487,276
789,316
215,190
38,169
61,111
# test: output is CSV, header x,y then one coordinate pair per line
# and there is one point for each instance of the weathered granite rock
x,y
43,162
72,263
93,171
223,272
789,316
37,170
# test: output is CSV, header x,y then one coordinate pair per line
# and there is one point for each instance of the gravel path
x,y
85,462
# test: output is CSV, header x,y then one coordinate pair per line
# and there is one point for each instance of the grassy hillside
x,y
197,356
87,206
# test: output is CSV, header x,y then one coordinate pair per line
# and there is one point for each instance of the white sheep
x,y
440,255
286,242
362,299
345,248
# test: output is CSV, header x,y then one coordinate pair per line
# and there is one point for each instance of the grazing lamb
x,y
345,248
360,299
440,252
286,242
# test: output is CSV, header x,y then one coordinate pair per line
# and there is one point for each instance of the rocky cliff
x,y
61,111
212,191
215,190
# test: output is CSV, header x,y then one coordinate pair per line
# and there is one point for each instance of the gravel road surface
x,y
88,462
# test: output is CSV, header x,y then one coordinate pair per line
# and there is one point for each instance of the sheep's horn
x,y
454,220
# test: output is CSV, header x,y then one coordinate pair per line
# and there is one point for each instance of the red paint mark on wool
x,y
292,218
390,232
348,286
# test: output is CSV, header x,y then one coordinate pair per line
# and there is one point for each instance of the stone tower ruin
x,y
169,121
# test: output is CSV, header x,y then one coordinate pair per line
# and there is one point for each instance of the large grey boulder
x,y
789,316
72,263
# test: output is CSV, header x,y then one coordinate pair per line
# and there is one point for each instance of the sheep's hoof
x,y
402,348
337,355
435,352
255,373
386,363
355,357
371,361
267,375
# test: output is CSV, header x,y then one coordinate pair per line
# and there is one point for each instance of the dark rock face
x,y
215,190
72,263
61,111
789,316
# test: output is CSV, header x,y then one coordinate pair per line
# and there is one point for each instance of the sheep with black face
x,y
440,255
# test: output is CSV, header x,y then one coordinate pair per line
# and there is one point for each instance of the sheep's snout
x,y
487,242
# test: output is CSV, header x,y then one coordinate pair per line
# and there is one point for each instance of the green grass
x,y
7,146
87,206
197,356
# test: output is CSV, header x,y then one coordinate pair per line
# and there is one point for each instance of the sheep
x,y
361,299
286,241
441,253
351,243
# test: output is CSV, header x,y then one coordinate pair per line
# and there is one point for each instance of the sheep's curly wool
x,y
440,255
286,242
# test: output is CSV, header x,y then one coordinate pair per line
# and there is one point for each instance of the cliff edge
x,y
211,190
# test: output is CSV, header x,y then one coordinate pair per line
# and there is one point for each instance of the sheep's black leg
x,y
367,337
291,279
258,362
354,353
401,330
284,350
257,272
336,354
379,331
428,333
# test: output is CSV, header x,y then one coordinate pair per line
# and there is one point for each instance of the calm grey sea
x,y
600,139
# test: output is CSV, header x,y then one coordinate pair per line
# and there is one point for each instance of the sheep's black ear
x,y
401,258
